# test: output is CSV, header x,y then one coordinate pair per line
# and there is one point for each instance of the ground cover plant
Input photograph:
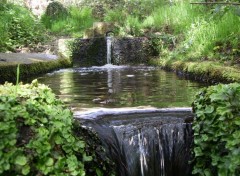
x,y
38,138
216,131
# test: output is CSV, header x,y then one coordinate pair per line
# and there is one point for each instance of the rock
x,y
37,7
99,29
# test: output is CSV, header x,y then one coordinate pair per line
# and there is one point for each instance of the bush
x,y
133,26
73,23
18,28
36,132
56,10
216,131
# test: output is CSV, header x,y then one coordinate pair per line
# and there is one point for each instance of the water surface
x,y
121,86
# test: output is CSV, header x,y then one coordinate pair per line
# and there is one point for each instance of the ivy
x,y
217,131
36,132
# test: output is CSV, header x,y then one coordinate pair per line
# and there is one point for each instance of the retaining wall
x,y
93,51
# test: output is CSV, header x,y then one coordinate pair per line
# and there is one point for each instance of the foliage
x,y
56,10
216,131
161,44
132,26
206,36
71,22
18,28
36,132
200,31
140,8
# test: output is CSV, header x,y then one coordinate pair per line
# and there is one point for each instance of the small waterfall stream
x,y
109,49
147,144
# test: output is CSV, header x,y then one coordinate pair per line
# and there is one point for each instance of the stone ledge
x,y
30,65
34,64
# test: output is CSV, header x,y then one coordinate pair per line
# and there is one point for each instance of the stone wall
x,y
93,51
130,50
89,52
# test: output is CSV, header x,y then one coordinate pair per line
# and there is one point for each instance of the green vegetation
x,y
18,28
208,71
197,32
197,39
200,32
72,21
37,135
36,131
30,70
216,131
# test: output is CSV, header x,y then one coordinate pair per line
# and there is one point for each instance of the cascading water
x,y
147,144
109,48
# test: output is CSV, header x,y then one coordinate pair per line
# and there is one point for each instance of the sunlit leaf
x,y
21,160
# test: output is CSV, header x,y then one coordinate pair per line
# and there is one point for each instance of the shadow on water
x,y
150,143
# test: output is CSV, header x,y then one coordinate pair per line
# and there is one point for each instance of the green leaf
x,y
207,172
6,166
21,160
99,172
49,162
222,172
87,158
26,170
209,109
58,140
205,137
80,144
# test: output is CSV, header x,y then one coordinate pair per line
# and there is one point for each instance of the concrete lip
x,y
95,113
25,58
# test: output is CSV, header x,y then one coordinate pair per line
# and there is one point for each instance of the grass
x,y
199,32
74,23
18,28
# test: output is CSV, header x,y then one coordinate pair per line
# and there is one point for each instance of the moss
x,y
8,71
207,71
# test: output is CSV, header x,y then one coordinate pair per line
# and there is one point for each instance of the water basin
x,y
112,86
141,114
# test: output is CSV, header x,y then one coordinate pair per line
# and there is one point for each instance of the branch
x,y
224,3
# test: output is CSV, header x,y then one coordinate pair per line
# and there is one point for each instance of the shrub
x,y
133,26
72,23
216,131
36,132
115,16
18,28
56,10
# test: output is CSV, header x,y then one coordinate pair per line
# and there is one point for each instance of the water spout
x,y
109,36
109,49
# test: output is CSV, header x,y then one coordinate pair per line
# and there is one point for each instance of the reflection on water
x,y
121,86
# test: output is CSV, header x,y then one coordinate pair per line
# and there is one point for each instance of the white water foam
x,y
110,66
93,113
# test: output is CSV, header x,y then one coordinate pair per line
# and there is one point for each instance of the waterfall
x,y
147,144
109,48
